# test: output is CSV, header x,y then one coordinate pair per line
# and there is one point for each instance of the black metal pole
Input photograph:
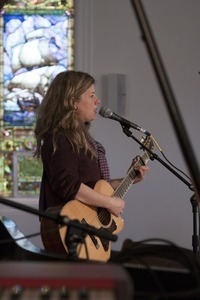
x,y
169,98
195,237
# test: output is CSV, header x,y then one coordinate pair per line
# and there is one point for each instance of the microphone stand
x,y
193,200
76,231
169,98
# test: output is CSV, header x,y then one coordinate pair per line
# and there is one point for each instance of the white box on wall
x,y
114,92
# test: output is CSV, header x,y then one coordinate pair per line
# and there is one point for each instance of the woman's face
x,y
87,105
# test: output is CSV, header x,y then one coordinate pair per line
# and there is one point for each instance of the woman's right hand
x,y
116,206
88,196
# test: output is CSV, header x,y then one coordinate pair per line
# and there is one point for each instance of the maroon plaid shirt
x,y
101,158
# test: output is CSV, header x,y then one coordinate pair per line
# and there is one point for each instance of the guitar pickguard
x,y
104,242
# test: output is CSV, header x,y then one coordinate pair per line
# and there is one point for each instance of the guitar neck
x,y
124,186
127,182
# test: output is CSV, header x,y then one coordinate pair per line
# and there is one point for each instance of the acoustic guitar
x,y
95,248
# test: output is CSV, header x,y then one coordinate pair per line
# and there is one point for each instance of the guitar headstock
x,y
147,142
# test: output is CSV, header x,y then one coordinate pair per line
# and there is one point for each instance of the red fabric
x,y
101,158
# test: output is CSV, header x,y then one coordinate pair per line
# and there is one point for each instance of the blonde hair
x,y
57,112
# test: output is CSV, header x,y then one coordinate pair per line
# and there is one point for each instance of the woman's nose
x,y
98,101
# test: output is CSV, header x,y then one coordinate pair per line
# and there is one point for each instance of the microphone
x,y
108,113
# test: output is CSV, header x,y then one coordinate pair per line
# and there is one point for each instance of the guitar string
x,y
141,161
119,192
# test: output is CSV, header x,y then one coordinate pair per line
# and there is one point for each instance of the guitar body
x,y
94,248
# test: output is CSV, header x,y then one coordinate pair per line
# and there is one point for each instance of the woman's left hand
x,y
141,171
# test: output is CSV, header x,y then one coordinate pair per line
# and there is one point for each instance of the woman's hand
x,y
140,171
116,206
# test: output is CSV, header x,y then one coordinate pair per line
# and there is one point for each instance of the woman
x,y
72,160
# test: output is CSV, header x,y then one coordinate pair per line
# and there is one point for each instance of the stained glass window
x,y
36,43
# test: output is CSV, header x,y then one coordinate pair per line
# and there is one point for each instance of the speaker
x,y
114,92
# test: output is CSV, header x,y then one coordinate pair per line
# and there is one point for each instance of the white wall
x,y
160,205
108,40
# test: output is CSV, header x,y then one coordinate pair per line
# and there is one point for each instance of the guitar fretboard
x,y
126,183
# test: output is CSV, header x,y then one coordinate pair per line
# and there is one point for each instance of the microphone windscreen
x,y
105,112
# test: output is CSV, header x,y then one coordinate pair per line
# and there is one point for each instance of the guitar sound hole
x,y
104,216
